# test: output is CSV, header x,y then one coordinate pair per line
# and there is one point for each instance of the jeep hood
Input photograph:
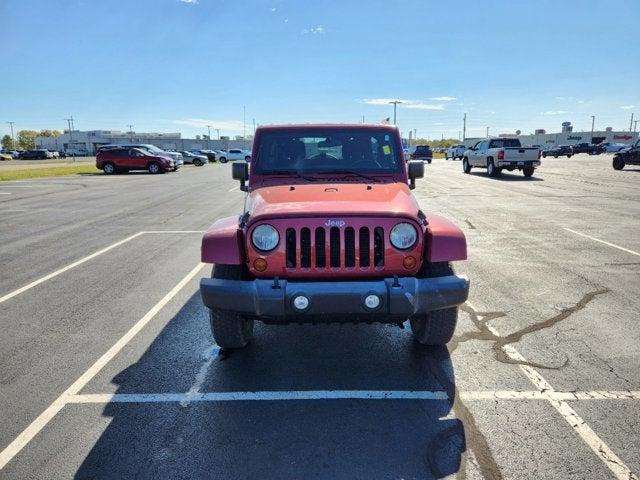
x,y
330,200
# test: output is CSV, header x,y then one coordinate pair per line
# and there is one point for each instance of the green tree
x,y
49,133
7,142
27,139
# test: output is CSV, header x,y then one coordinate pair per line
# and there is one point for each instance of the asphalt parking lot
x,y
107,368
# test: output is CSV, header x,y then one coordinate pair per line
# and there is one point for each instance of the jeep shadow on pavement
x,y
319,438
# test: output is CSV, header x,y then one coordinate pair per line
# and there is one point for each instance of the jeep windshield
x,y
318,151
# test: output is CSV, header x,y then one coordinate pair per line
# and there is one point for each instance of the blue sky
x,y
176,65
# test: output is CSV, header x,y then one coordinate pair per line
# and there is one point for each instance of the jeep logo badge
x,y
335,223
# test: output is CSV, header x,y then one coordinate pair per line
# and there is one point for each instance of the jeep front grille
x,y
362,248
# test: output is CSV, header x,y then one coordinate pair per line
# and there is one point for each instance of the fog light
x,y
300,302
409,262
260,264
372,302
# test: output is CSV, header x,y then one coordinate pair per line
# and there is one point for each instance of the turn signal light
x,y
260,264
409,262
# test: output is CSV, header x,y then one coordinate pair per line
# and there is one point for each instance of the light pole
x,y
395,106
464,127
209,137
487,132
593,122
13,141
130,132
218,132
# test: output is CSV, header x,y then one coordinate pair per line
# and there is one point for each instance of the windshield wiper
x,y
290,173
353,172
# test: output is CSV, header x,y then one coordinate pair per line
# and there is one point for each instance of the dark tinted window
x,y
422,149
505,143
327,150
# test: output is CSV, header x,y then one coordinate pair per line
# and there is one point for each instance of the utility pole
x,y
363,119
70,123
244,122
395,106
635,125
464,127
218,132
459,135
631,123
593,122
487,132
130,132
13,140
209,137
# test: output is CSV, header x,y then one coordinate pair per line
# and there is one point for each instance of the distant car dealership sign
x,y
622,137
574,137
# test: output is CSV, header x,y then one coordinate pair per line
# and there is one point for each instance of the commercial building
x,y
568,137
78,142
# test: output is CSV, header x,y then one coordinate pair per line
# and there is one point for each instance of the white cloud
x,y
425,106
192,2
273,9
404,103
443,99
202,123
627,107
319,30
554,112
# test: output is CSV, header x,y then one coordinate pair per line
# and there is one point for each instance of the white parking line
x,y
601,449
20,290
5,193
45,417
602,241
195,396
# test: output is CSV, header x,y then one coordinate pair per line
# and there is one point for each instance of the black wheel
x,y
544,155
109,168
230,330
569,156
153,168
618,163
197,162
223,159
247,158
492,171
466,168
436,327
555,156
528,171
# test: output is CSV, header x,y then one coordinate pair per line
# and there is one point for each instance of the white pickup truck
x,y
497,154
454,152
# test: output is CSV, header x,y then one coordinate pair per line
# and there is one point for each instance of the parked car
x,y
611,147
234,154
124,159
195,158
152,149
454,152
5,157
13,153
39,154
497,154
421,152
590,148
210,154
331,233
627,156
559,151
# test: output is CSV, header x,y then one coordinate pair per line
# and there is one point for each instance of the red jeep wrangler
x,y
331,233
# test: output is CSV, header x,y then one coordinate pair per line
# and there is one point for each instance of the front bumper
x,y
399,297
519,164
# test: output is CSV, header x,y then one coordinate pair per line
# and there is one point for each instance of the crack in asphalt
x,y
471,225
481,319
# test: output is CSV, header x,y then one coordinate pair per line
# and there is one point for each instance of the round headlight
x,y
265,237
403,236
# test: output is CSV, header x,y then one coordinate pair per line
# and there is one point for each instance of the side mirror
x,y
416,170
240,171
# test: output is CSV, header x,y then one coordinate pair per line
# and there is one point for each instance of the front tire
x,y
223,159
153,168
198,163
466,168
230,330
436,327
618,163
